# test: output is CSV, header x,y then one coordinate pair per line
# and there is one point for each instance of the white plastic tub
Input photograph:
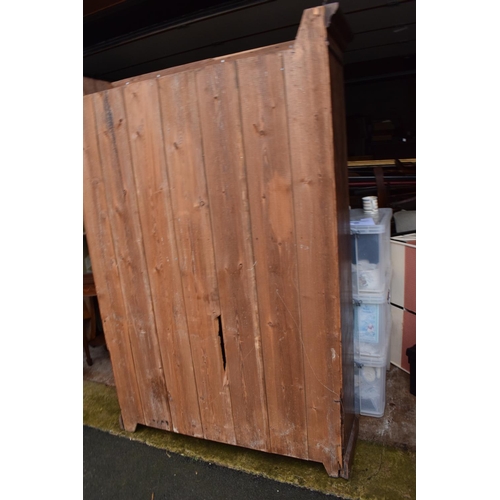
x,y
370,383
372,320
371,251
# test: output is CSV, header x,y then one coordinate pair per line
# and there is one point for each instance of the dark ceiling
x,y
124,38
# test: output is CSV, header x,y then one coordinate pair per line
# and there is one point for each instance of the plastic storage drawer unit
x,y
369,386
372,322
370,235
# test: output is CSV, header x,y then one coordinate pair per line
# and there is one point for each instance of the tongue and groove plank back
x,y
107,276
216,211
267,153
144,125
193,236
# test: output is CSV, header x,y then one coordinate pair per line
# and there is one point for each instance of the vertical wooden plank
x,y
189,196
106,274
311,146
228,198
153,198
127,236
265,135
341,179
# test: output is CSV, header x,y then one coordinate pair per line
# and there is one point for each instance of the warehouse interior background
x,y
125,38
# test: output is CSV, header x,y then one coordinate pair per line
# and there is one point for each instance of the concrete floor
x,y
397,428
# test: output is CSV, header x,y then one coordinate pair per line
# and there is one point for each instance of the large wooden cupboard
x,y
216,210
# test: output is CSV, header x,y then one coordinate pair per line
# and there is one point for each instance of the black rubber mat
x,y
118,468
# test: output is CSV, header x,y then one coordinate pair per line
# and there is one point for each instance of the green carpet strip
x,y
378,472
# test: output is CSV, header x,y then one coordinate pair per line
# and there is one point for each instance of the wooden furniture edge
x,y
337,26
350,449
204,63
91,85
375,163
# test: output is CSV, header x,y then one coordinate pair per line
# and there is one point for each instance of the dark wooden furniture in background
x,y
217,217
89,328
392,181
89,289
87,319
92,334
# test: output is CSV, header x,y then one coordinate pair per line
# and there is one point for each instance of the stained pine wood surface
x,y
127,231
267,153
158,237
228,197
189,196
216,210
310,127
106,274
